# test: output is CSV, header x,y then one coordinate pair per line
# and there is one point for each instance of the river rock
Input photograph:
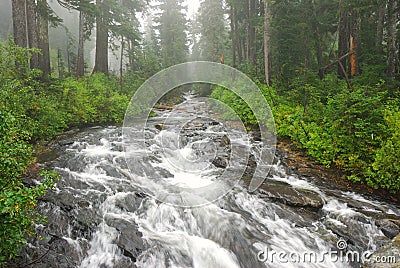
x,y
129,239
88,219
159,127
124,263
66,142
220,162
58,253
388,228
130,202
287,194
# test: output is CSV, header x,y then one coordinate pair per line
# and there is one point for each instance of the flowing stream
x,y
101,215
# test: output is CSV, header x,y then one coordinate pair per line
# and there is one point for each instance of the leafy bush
x,y
17,201
32,111
385,171
336,125
92,100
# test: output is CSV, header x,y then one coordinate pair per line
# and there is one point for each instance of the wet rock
x,y
66,142
386,256
124,263
65,200
225,141
130,203
256,135
287,194
58,253
129,239
214,123
388,228
58,221
220,162
110,171
88,219
159,127
162,172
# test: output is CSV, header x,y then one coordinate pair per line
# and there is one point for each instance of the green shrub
x,y
336,125
32,111
385,171
17,202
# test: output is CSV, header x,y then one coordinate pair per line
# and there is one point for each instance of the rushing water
x,y
230,232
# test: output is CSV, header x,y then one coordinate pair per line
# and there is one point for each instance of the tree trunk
x,y
32,27
391,38
121,63
266,43
80,62
251,31
343,45
233,35
355,44
68,58
243,48
379,28
238,45
101,58
19,22
44,59
130,56
60,64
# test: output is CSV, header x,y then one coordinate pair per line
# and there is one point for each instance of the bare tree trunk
x,y
130,57
19,22
32,26
343,45
80,62
44,59
243,47
266,43
101,58
251,31
233,35
391,38
238,44
68,58
60,65
121,64
380,27
318,47
355,44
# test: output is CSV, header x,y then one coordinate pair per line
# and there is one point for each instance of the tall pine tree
x,y
172,32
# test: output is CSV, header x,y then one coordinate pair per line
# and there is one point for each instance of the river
x,y
102,214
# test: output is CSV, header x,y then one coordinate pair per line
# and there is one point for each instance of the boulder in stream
x,y
287,194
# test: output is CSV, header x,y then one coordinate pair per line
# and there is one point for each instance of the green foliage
x,y
240,107
92,100
385,170
357,130
17,202
32,111
212,28
172,32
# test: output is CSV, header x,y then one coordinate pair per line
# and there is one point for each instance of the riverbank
x,y
334,178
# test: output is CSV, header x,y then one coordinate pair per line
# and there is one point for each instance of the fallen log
x,y
167,107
